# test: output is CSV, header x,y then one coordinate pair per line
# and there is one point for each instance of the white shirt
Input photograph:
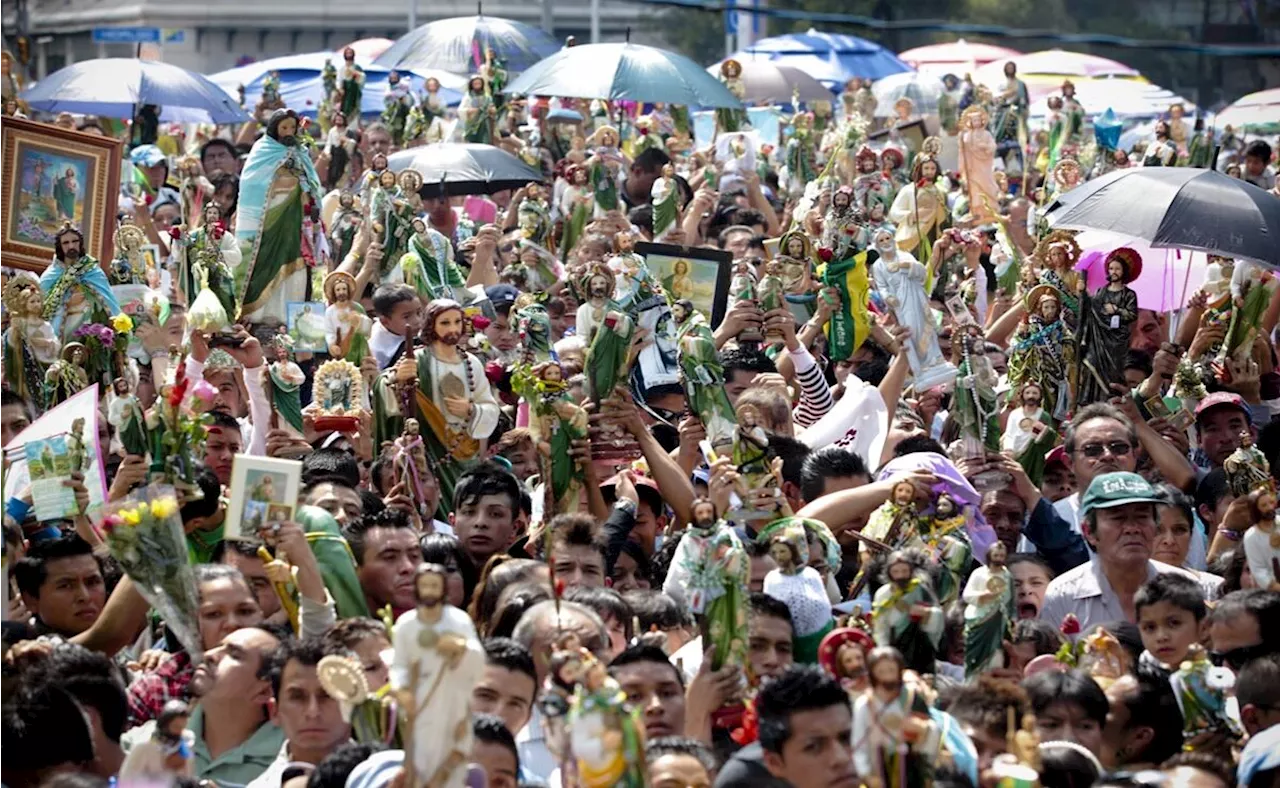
x,y
384,344
1086,592
1069,509
535,757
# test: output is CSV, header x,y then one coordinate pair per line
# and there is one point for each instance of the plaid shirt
x,y
149,692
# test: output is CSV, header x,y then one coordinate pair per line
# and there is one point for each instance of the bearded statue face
x,y
599,287
1049,309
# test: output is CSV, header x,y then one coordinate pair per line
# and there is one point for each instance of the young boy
x,y
1171,613
399,320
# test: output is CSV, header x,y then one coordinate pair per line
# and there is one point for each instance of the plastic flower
x,y
164,508
112,522
130,516
204,393
1070,625
480,322
122,323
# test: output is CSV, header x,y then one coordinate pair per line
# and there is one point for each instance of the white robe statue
x,y
900,279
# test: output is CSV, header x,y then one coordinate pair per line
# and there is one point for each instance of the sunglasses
x,y
1095,450
1237,658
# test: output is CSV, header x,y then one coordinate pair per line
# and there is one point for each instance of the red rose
x,y
559,587
175,233
1070,625
494,372
825,254
480,322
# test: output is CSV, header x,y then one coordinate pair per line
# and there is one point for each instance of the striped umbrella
x,y
845,56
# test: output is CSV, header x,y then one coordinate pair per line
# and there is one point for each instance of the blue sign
x,y
126,35
730,18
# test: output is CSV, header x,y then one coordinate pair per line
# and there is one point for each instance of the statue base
x,y
345,424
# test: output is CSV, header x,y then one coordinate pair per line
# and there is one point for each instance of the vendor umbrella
x,y
1257,112
776,83
846,56
622,72
464,168
1178,207
115,87
458,45
923,91
957,57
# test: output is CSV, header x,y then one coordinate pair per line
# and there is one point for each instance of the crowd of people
x,y
572,511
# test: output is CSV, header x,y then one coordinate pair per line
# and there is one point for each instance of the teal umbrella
x,y
623,72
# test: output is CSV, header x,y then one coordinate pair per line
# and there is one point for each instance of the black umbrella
x,y
464,168
1177,208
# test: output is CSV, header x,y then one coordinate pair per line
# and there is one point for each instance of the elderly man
x,y
1118,513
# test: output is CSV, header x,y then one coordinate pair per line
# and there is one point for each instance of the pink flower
x,y
494,372
112,522
1070,625
203,393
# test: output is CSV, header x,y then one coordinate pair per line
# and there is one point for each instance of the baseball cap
x,y
646,488
1058,454
146,155
1218,398
1117,489
501,294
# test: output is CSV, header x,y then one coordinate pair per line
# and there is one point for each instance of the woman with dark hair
x,y
460,573
1069,706
514,602
1066,764
500,572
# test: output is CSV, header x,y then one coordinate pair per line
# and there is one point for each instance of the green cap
x,y
1117,489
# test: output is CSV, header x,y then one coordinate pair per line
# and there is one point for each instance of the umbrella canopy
x,y
923,90
621,72
464,168
956,57
1180,208
846,56
1257,112
1057,62
1127,97
367,48
1168,276
776,83
305,95
458,45
116,87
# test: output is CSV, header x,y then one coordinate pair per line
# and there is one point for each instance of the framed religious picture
x,y
337,396
52,176
699,275
306,324
263,490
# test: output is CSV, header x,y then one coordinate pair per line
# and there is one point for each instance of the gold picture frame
x,y
52,175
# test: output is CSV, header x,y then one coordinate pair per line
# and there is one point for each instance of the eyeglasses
x,y
1095,450
1237,658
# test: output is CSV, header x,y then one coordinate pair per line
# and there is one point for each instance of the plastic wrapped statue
x,y
1247,468
870,187
168,754
66,377
29,343
770,295
1262,540
900,279
709,572
905,613
557,421
704,384
1252,290
730,120
751,457
920,208
605,166
1043,352
1202,690
976,408
988,612
1105,320
534,216
438,660
895,740
842,227
797,584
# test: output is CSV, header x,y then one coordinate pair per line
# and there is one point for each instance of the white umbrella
x,y
923,90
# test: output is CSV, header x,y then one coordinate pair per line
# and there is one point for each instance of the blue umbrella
x,y
828,57
304,94
458,44
623,72
116,87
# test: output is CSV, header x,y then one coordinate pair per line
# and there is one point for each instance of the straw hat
x,y
332,279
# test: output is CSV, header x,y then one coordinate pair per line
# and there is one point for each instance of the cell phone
x,y
225,339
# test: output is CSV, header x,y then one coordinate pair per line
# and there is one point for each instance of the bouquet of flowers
x,y
177,431
144,534
102,343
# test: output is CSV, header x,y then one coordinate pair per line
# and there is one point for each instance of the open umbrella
x,y
1257,112
304,95
776,83
116,87
1129,98
458,44
848,56
464,168
368,48
923,90
623,71
1058,62
1178,207
955,57
1168,276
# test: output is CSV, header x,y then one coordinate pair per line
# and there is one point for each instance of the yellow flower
x,y
130,516
122,323
164,508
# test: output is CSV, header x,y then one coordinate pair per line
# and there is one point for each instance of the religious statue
x,y
1202,691
1066,176
895,740
346,223
1160,151
577,203
797,584
452,397
729,120
945,537
605,165
125,414
1103,333
1029,434
193,186
428,265
476,113
556,421
771,294
438,659
606,736
870,187
633,283
1178,133
893,163
704,384
1074,112
1056,255
168,754
905,613
280,196
130,266
920,209
76,291
1252,290
329,77
338,147
372,181
66,377
975,407
1043,353
395,207
533,326
977,163
795,258
350,87
666,204
709,571
802,168
842,227
1262,540
597,291
896,522
988,613
396,103
1247,468
533,217
347,327
843,654
900,279
29,342
1010,123
285,378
